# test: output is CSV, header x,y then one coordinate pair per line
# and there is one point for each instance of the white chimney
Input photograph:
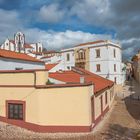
x,y
82,79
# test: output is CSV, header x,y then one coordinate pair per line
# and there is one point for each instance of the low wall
x,y
50,109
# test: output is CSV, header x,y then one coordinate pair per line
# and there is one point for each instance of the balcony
x,y
80,60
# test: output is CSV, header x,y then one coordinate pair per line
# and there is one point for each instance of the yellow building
x,y
28,100
82,58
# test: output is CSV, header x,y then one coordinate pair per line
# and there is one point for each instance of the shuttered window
x,y
15,111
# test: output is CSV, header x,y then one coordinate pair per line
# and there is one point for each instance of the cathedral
x,y
19,45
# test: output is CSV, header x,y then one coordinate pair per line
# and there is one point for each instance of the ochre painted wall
x,y
86,60
17,78
55,106
98,101
51,106
24,78
41,77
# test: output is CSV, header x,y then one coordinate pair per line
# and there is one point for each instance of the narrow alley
x,y
124,120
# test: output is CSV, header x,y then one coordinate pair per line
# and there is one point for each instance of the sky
x,y
65,23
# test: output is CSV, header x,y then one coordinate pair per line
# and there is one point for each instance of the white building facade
x,y
10,60
106,61
67,59
10,64
20,45
101,57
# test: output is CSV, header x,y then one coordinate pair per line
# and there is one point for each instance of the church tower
x,y
19,42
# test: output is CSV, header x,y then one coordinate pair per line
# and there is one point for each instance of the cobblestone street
x,y
124,120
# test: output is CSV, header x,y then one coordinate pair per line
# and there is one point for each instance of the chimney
x,y
82,80
41,77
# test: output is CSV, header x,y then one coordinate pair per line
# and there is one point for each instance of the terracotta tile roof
x,y
18,56
22,71
45,57
64,85
50,66
27,45
50,52
12,41
99,82
90,43
37,53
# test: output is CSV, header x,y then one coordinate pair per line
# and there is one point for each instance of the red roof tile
x,y
18,56
99,82
50,52
12,41
27,45
37,53
50,66
90,43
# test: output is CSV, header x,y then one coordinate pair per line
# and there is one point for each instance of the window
x,y
40,50
68,68
81,54
114,67
84,55
18,68
15,111
106,98
97,53
68,57
115,80
114,53
98,69
110,95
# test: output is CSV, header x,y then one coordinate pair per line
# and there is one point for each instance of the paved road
x,y
130,89
124,120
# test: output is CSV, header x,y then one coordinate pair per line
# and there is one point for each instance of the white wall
x,y
69,63
58,67
36,46
56,81
51,60
107,62
7,45
11,64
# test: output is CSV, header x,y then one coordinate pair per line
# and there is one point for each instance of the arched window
x,y
40,50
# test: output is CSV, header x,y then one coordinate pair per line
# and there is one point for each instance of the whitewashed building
x,y
67,59
51,57
20,45
10,60
101,57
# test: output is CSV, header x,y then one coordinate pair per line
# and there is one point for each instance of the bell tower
x,y
19,42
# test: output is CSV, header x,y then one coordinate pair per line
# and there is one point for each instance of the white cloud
x,y
58,40
91,11
128,51
9,23
51,13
